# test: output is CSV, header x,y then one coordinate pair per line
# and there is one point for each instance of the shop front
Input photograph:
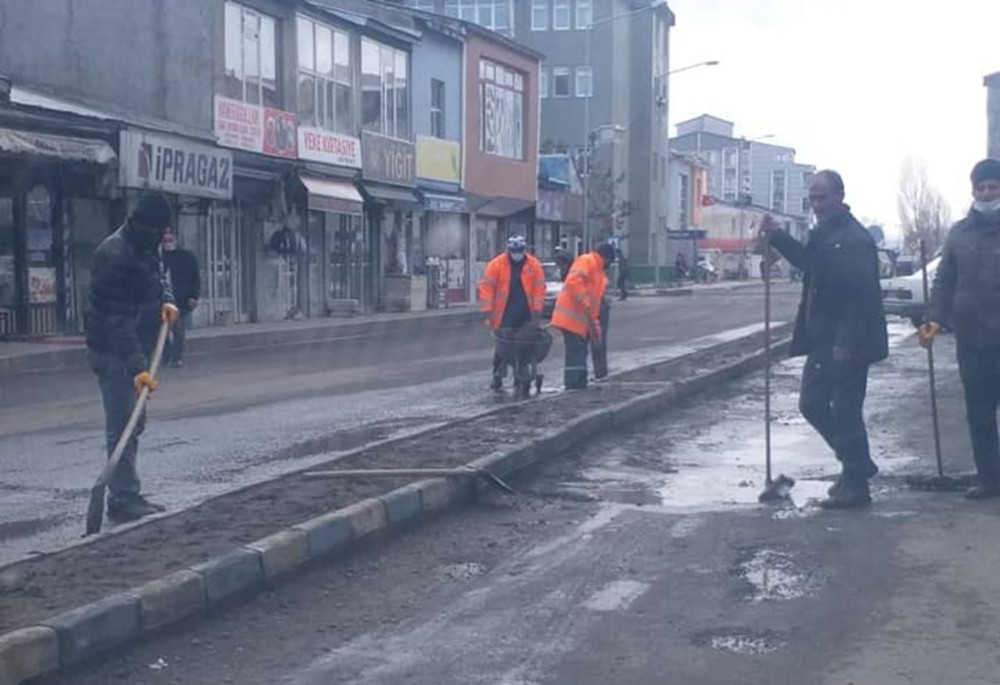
x,y
444,221
55,208
199,178
558,223
389,173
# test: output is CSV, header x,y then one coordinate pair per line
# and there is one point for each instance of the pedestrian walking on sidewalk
x,y
622,277
966,296
511,294
181,268
840,329
129,297
578,311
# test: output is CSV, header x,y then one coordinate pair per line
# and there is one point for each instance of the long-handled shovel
x,y
95,510
775,490
940,482
396,473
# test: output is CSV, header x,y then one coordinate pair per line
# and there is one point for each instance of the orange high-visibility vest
x,y
578,306
494,287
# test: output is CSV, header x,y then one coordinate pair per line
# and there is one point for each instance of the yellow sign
x,y
439,160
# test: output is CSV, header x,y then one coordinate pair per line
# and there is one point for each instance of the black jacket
x,y
127,286
966,291
182,268
841,304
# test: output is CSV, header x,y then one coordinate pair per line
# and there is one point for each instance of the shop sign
x,y
388,160
317,145
41,285
175,165
439,160
253,128
558,206
445,204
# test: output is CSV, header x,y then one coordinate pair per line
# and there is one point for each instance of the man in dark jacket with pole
x,y
181,268
129,297
841,330
966,296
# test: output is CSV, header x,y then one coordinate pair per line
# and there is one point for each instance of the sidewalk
x,y
67,352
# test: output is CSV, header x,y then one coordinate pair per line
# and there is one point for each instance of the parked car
x,y
904,295
553,286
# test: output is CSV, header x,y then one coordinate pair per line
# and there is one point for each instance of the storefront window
x,y
39,233
8,278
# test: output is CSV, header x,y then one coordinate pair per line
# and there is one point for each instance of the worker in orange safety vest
x,y
511,294
578,309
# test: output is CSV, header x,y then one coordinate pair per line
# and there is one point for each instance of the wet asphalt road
x,y
644,559
224,422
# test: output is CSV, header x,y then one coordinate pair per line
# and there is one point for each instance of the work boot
x,y
983,491
132,508
497,383
871,470
850,495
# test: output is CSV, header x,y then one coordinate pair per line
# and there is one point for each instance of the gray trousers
x,y
980,370
599,354
575,371
118,395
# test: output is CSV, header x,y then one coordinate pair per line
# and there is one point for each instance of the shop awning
x,y
332,195
14,142
389,195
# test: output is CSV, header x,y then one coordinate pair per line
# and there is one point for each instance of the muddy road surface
x,y
644,558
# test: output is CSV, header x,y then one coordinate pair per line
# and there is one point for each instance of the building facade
x,y
315,152
743,170
588,45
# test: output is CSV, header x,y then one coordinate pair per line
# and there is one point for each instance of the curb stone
x,y
28,653
86,632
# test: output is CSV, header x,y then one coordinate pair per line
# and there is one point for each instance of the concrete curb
x,y
86,632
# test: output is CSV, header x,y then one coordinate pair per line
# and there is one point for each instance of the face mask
x,y
989,208
517,256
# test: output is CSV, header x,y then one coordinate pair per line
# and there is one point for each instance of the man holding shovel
x,y
841,330
966,295
129,298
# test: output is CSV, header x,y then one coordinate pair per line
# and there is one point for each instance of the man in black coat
x,y
966,296
841,330
129,297
182,269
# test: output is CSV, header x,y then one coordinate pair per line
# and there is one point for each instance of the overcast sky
x,y
853,85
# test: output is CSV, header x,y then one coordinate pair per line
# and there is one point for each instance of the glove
x,y
144,380
169,313
926,333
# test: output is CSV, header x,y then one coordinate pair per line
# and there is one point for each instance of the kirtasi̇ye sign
x,y
317,145
174,165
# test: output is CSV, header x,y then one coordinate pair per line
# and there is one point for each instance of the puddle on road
x,y
617,595
463,571
741,641
775,576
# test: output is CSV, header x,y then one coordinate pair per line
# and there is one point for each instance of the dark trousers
x,y
832,400
178,335
599,353
118,395
980,370
575,370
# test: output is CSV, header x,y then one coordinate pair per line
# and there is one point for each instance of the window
x,y
806,207
326,80
424,5
493,14
251,57
584,14
560,82
560,15
729,158
543,81
437,108
778,190
384,90
501,103
539,15
584,82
